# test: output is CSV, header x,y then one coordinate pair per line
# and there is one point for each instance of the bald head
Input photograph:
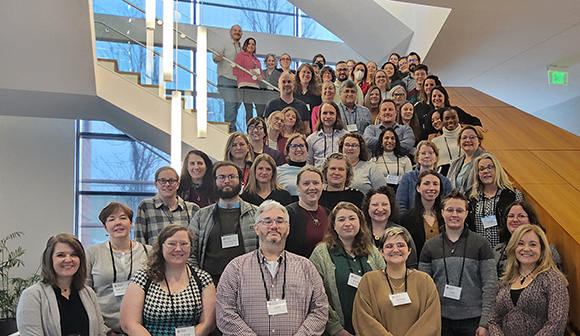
x,y
236,33
286,83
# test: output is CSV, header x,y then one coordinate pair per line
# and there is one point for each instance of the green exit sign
x,y
557,76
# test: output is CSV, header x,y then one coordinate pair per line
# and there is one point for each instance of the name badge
x,y
400,299
308,107
277,307
392,179
230,240
353,280
185,331
119,288
452,292
351,128
489,221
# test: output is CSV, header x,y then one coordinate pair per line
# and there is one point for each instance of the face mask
x,y
359,75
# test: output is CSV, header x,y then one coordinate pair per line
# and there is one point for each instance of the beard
x,y
228,194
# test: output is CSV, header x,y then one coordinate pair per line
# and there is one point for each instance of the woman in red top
x,y
248,60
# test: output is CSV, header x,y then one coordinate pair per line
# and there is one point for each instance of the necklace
x,y
523,278
314,219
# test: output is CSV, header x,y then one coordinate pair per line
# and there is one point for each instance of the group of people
x,y
372,212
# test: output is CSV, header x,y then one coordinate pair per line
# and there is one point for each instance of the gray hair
x,y
392,91
268,205
347,84
271,54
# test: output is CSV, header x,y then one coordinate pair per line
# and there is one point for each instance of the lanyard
x,y
348,260
331,143
389,281
171,296
347,114
386,166
264,279
186,212
115,269
449,150
443,236
492,199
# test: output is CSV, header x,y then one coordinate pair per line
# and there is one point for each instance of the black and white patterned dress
x,y
158,316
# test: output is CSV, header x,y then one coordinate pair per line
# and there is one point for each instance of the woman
x,y
424,218
342,258
381,212
111,264
373,101
327,74
275,138
258,134
366,175
61,304
296,149
263,183
437,124
389,159
285,61
169,296
196,184
271,74
461,172
491,193
165,208
360,73
395,77
382,81
426,157
517,214
309,219
407,116
394,58
292,122
248,60
338,174
371,71
532,298
399,95
403,66
239,151
306,87
439,100
397,301
328,93
423,107
329,129
449,149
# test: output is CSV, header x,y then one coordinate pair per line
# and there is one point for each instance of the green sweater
x,y
321,259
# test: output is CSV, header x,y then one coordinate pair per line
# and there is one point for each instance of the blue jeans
x,y
229,89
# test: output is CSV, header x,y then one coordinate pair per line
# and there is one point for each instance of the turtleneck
x,y
296,164
451,134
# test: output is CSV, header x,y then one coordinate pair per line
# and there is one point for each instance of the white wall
x,y
37,181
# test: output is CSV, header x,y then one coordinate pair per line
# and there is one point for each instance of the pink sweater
x,y
249,62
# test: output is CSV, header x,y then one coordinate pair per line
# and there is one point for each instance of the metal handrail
x,y
185,36
152,50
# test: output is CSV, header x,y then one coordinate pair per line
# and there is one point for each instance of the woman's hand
x,y
481,331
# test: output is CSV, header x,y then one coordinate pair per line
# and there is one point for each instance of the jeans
x,y
229,89
465,327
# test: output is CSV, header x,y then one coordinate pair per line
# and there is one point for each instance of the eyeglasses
x,y
342,69
470,137
347,91
490,168
295,146
392,246
450,211
173,245
162,181
229,177
412,60
519,216
285,59
398,94
270,221
255,128
354,145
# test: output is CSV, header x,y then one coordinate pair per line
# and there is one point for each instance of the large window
x,y
112,167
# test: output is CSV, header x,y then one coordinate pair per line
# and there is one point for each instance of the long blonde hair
x,y
252,185
501,178
545,263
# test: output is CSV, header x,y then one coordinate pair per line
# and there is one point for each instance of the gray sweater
x,y
479,280
38,312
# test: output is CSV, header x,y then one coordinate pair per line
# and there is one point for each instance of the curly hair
x,y
156,262
364,153
349,169
298,125
387,191
362,241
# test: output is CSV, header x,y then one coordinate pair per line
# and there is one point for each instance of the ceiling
x,y
502,48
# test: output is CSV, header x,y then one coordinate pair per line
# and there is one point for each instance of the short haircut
x,y
311,169
268,205
325,70
458,195
113,207
340,157
422,67
257,120
220,164
48,273
427,143
414,53
292,138
319,55
364,152
395,231
469,127
347,84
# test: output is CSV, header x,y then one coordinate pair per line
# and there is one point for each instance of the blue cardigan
x,y
407,187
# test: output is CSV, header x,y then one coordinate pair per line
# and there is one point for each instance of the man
x,y
355,117
329,130
462,265
271,291
413,60
286,86
223,230
388,117
420,73
342,74
227,82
